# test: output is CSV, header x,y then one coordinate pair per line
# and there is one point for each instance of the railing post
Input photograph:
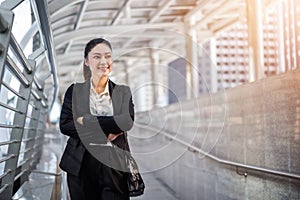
x,y
6,21
39,137
28,157
16,134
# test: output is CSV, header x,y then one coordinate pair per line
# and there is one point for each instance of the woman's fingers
x,y
112,137
80,120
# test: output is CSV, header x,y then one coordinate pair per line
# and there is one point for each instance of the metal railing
x,y
24,113
217,159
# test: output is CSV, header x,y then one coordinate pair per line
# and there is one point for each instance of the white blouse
x,y
100,104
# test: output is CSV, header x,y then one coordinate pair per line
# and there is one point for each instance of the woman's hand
x,y
80,120
111,137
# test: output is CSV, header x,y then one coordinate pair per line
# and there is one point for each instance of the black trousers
x,y
94,182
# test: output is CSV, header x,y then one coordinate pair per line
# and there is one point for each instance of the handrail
x,y
11,108
37,83
220,160
36,95
8,142
11,64
44,104
16,47
3,188
9,126
12,90
3,159
5,174
41,13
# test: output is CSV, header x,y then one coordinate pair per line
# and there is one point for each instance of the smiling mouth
x,y
104,67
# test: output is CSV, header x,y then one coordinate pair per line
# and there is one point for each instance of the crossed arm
x,y
112,126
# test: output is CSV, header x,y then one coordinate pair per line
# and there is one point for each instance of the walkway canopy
x,y
136,29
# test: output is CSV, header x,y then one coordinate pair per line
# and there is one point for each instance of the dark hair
x,y
89,46
86,72
92,43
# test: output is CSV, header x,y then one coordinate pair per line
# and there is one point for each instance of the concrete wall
x,y
255,124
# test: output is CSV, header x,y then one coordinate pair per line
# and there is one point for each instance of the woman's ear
x,y
86,62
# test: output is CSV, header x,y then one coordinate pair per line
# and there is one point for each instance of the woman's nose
x,y
102,61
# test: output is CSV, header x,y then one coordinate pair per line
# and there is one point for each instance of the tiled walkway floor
x,y
39,186
155,190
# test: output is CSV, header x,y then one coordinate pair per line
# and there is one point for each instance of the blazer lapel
x,y
83,97
115,96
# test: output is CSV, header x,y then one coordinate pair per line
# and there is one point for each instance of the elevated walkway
x,y
226,148
44,181
156,189
47,181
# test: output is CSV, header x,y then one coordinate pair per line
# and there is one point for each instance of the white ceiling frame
x,y
225,6
143,9
158,43
120,12
78,22
114,31
62,22
225,23
196,10
183,7
147,35
58,6
133,39
162,8
126,45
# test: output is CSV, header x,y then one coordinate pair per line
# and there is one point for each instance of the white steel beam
x,y
226,5
223,24
78,21
119,13
162,8
58,6
196,10
112,30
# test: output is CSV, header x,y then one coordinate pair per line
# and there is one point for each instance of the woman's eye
x,y
108,56
96,57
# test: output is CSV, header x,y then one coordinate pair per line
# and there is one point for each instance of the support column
x,y
287,45
154,76
280,39
297,32
293,36
213,67
192,72
255,39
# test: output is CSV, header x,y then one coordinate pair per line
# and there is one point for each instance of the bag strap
x,y
126,141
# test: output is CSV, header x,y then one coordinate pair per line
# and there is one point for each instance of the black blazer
x,y
96,128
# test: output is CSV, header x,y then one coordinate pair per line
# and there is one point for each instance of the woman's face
x,y
100,60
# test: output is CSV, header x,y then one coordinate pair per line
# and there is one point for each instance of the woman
x,y
95,113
